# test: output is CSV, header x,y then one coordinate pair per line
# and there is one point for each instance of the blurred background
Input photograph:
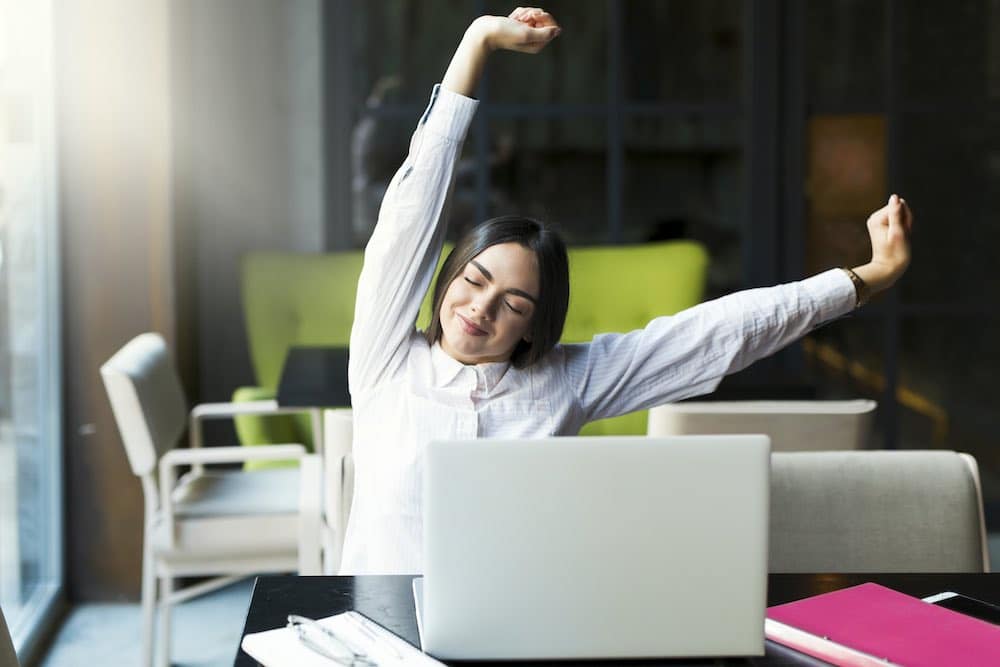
x,y
146,147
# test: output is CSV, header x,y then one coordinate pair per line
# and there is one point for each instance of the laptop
x,y
595,547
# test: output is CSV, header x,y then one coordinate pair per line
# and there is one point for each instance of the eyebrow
x,y
512,290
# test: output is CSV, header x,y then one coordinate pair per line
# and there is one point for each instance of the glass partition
x,y
631,131
30,506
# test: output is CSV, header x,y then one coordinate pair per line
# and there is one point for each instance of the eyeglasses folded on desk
x,y
345,639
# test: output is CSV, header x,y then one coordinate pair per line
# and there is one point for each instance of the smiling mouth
x,y
470,328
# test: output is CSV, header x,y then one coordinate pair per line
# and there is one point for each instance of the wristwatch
x,y
861,289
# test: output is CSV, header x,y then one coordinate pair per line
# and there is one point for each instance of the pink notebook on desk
x,y
869,624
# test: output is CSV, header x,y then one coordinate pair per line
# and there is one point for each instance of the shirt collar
x,y
447,368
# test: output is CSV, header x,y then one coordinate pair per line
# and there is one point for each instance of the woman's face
x,y
488,308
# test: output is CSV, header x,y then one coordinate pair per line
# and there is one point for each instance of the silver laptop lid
x,y
596,547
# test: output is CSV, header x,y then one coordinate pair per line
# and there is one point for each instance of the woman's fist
x,y
527,29
889,229
534,16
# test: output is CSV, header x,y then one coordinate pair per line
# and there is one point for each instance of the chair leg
x,y
163,646
310,513
148,604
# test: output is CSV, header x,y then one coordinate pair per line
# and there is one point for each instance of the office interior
x,y
149,147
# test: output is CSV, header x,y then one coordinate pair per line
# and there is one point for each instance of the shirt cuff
x,y
449,114
833,292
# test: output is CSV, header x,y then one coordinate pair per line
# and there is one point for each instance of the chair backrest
x,y
147,400
610,286
876,511
8,657
296,299
791,425
308,299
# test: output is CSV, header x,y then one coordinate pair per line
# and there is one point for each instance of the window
x,y
766,130
30,442
902,96
632,131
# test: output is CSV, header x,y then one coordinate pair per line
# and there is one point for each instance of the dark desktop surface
x,y
388,600
314,377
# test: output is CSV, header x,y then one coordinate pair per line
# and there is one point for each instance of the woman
x,y
489,364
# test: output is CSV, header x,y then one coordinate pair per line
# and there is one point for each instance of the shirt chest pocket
x,y
518,419
437,420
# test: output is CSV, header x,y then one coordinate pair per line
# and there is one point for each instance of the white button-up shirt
x,y
406,393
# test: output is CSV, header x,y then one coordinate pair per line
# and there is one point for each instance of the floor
x,y
206,632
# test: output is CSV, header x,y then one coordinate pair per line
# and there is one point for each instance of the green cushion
x,y
292,299
616,289
634,423
621,288
308,299
274,429
296,299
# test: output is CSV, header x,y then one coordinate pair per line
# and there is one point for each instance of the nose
x,y
485,305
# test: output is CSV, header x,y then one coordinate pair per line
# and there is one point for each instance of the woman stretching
x,y
489,364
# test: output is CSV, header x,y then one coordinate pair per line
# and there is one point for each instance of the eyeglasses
x,y
323,641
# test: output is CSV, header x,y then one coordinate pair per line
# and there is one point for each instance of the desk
x,y
388,600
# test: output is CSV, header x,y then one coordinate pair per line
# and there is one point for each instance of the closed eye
x,y
513,308
472,282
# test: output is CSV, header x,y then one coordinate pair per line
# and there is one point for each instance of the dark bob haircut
x,y
553,279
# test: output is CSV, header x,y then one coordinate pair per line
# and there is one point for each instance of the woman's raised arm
x,y
687,354
401,255
527,29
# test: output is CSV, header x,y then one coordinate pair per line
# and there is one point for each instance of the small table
x,y
313,378
388,600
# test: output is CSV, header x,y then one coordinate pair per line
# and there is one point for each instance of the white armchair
x,y
877,511
791,425
207,522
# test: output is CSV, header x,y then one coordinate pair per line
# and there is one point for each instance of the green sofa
x,y
308,299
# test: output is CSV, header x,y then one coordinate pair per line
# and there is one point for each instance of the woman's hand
x,y
889,229
527,29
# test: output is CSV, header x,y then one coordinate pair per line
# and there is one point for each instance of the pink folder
x,y
871,624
